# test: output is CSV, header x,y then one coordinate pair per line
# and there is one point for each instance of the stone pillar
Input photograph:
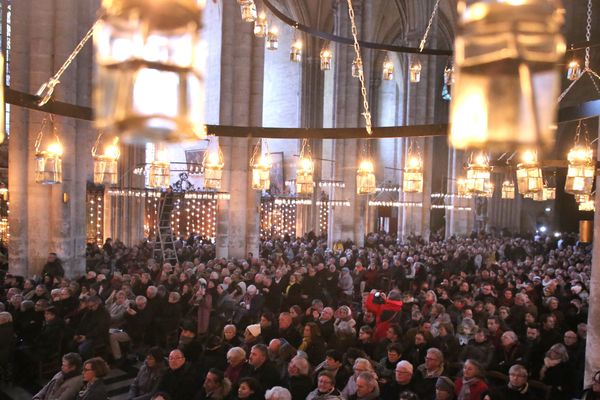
x,y
458,222
242,70
592,350
48,218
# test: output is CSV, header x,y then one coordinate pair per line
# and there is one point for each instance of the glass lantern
x,y
529,174
326,57
213,164
581,171
414,70
508,189
412,180
296,51
261,168
588,205
260,25
489,190
507,80
388,69
365,178
272,42
160,174
461,187
449,75
356,68
305,170
248,10
582,198
48,165
149,82
549,192
573,70
106,164
478,175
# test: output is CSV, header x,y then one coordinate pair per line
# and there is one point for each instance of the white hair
x,y
278,393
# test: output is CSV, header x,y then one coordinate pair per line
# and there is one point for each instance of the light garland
x,y
332,184
333,203
95,217
304,202
374,203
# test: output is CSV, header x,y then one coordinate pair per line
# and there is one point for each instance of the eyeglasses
x,y
87,369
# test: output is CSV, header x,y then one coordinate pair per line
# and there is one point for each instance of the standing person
x,y
94,388
64,385
472,384
53,268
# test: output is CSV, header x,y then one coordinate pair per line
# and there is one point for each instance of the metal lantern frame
x,y
573,70
582,167
388,69
305,170
529,174
261,166
149,84
296,49
412,179
478,174
261,25
248,11
365,175
48,162
508,189
272,40
159,174
414,70
106,165
461,187
325,57
213,164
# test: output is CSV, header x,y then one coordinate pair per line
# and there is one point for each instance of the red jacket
x,y
477,387
392,306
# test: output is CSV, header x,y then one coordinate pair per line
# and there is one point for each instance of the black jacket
x,y
181,384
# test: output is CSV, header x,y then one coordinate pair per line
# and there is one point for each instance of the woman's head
x,y
311,330
94,368
229,332
247,387
236,356
155,357
558,351
472,369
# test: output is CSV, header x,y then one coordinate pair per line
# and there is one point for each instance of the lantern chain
x,y
97,143
45,91
40,135
433,14
588,33
361,76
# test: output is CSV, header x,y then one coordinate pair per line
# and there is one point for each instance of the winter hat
x,y
445,384
254,329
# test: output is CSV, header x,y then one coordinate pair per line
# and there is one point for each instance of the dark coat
x,y
300,386
181,384
146,382
94,325
96,391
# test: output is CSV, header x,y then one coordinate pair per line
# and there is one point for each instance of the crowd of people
x,y
467,318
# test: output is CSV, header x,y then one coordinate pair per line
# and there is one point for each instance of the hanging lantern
x,y
461,187
260,25
449,75
581,171
588,205
48,162
549,192
3,192
508,189
326,57
261,167
160,174
272,41
305,170
356,68
507,80
248,10
213,164
478,175
529,174
296,51
365,177
106,164
582,198
388,69
412,180
573,70
149,85
414,70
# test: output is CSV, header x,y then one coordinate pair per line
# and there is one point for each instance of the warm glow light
x,y
581,171
55,148
365,177
528,157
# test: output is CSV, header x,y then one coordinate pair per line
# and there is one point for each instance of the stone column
x,y
458,222
48,218
592,350
242,70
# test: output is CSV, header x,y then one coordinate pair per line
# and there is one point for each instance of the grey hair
x,y
512,335
302,364
561,350
437,352
518,369
278,393
360,360
237,352
370,378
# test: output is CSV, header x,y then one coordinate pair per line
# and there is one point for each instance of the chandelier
x,y
582,168
149,84
388,69
325,57
261,166
213,164
478,174
48,161
106,164
529,174
305,170
507,80
412,180
461,187
508,189
260,25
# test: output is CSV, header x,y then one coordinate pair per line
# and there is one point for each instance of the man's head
x,y
366,383
517,375
214,380
493,324
325,382
258,355
434,359
333,359
326,314
570,338
71,362
176,359
285,320
404,372
298,366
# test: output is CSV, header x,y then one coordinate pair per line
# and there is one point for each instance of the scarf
x,y
548,363
465,390
522,389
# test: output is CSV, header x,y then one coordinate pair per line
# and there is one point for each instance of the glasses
x,y
87,369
